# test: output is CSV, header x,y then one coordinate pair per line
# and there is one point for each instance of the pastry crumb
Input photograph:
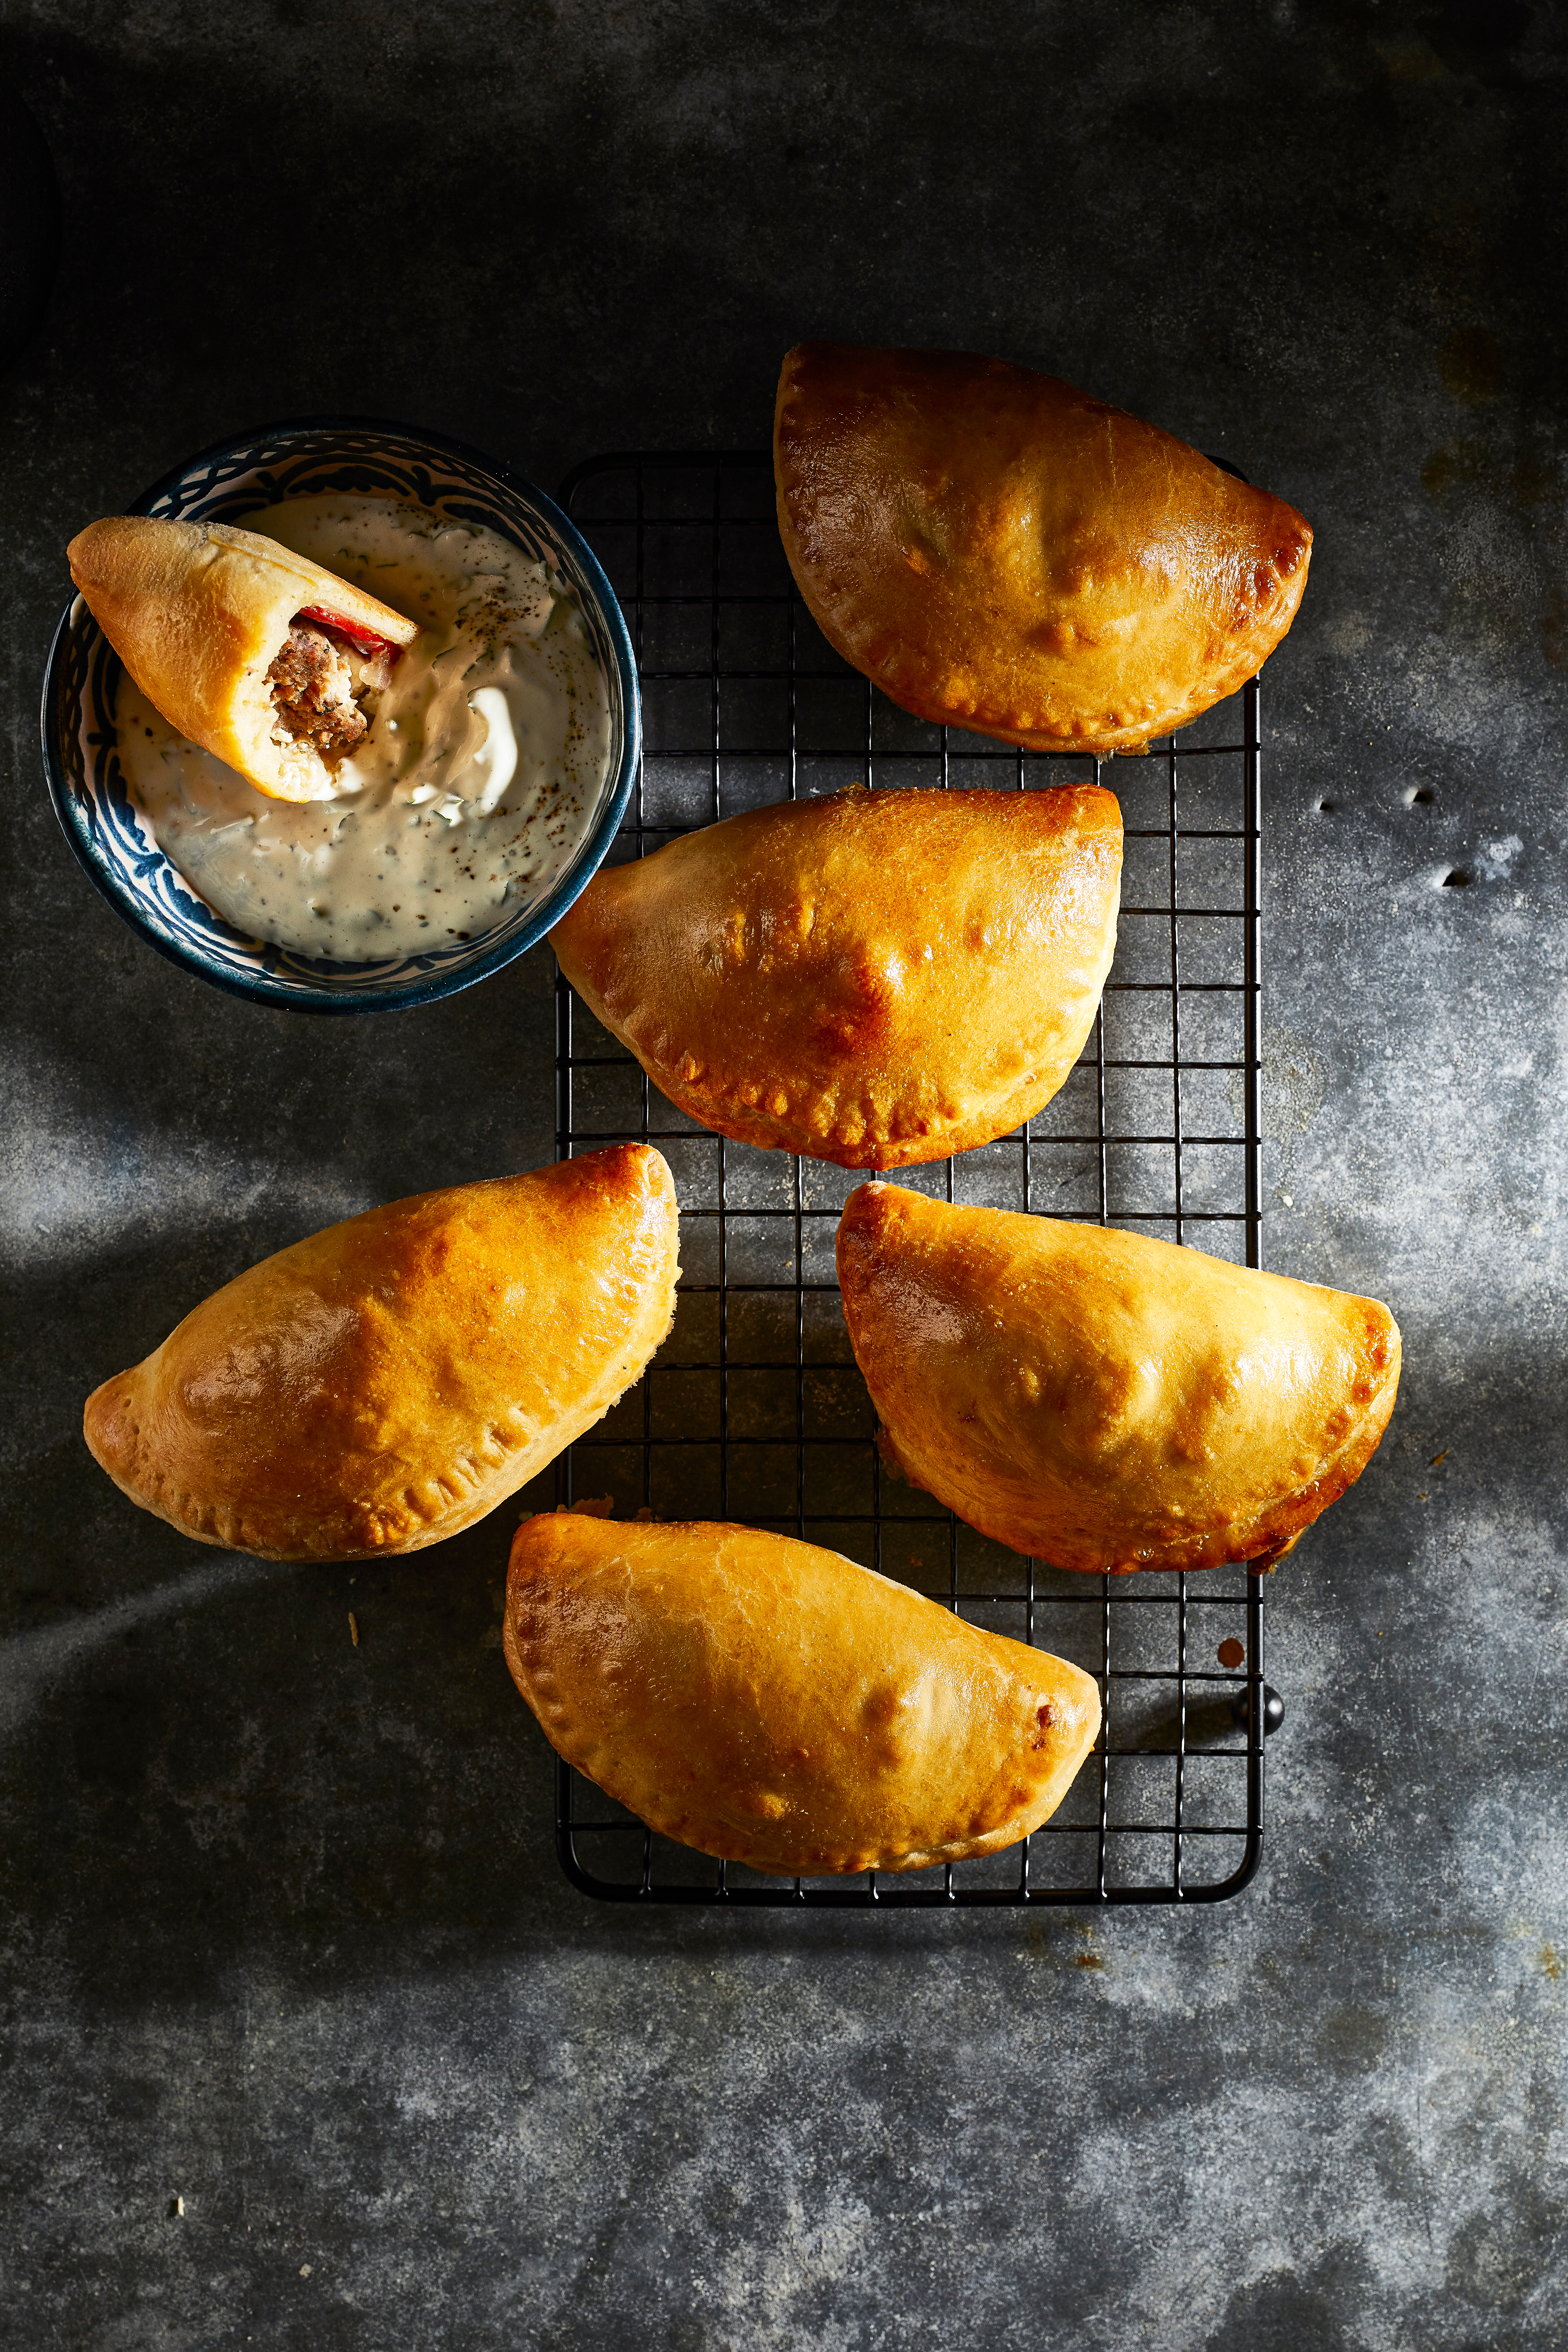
x,y
353,1629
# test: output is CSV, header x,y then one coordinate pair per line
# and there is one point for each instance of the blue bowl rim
x,y
260,988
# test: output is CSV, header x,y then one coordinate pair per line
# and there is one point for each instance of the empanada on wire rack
x,y
875,978
1003,553
386,1382
773,1703
1101,1399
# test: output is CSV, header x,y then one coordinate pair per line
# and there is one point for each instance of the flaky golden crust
x,y
1001,552
196,612
385,1383
875,978
1103,1401
775,1704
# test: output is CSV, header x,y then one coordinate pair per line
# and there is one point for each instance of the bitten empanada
x,y
875,979
255,652
1004,553
385,1383
1101,1399
773,1703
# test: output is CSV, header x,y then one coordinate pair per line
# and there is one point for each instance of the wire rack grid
x,y
754,1410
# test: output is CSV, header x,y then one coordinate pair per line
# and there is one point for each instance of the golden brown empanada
x,y
773,1703
388,1381
201,613
1000,552
1103,1401
875,978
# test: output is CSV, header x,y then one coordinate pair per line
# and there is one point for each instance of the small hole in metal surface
x,y
1457,880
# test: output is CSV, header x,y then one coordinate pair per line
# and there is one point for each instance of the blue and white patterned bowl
x,y
81,686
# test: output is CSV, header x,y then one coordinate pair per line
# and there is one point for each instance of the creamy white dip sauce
x,y
482,768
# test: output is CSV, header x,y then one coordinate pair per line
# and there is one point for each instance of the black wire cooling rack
x,y
754,1410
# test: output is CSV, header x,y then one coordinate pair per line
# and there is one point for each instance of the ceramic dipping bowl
x,y
82,682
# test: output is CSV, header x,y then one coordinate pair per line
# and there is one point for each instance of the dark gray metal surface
x,y
283,1932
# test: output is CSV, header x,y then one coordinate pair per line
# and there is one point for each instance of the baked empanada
x,y
385,1383
875,978
255,652
1000,552
773,1703
1103,1401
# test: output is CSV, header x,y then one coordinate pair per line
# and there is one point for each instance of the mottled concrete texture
x,y
283,1933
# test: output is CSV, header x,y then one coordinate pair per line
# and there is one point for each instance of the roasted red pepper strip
x,y
363,641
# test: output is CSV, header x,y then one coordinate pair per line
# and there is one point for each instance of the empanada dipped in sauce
x,y
1101,1399
876,978
385,1383
773,1703
257,654
1001,553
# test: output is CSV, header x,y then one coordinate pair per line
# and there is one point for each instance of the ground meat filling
x,y
314,694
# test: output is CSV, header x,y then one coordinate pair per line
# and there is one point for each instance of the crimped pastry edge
x,y
1275,1530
